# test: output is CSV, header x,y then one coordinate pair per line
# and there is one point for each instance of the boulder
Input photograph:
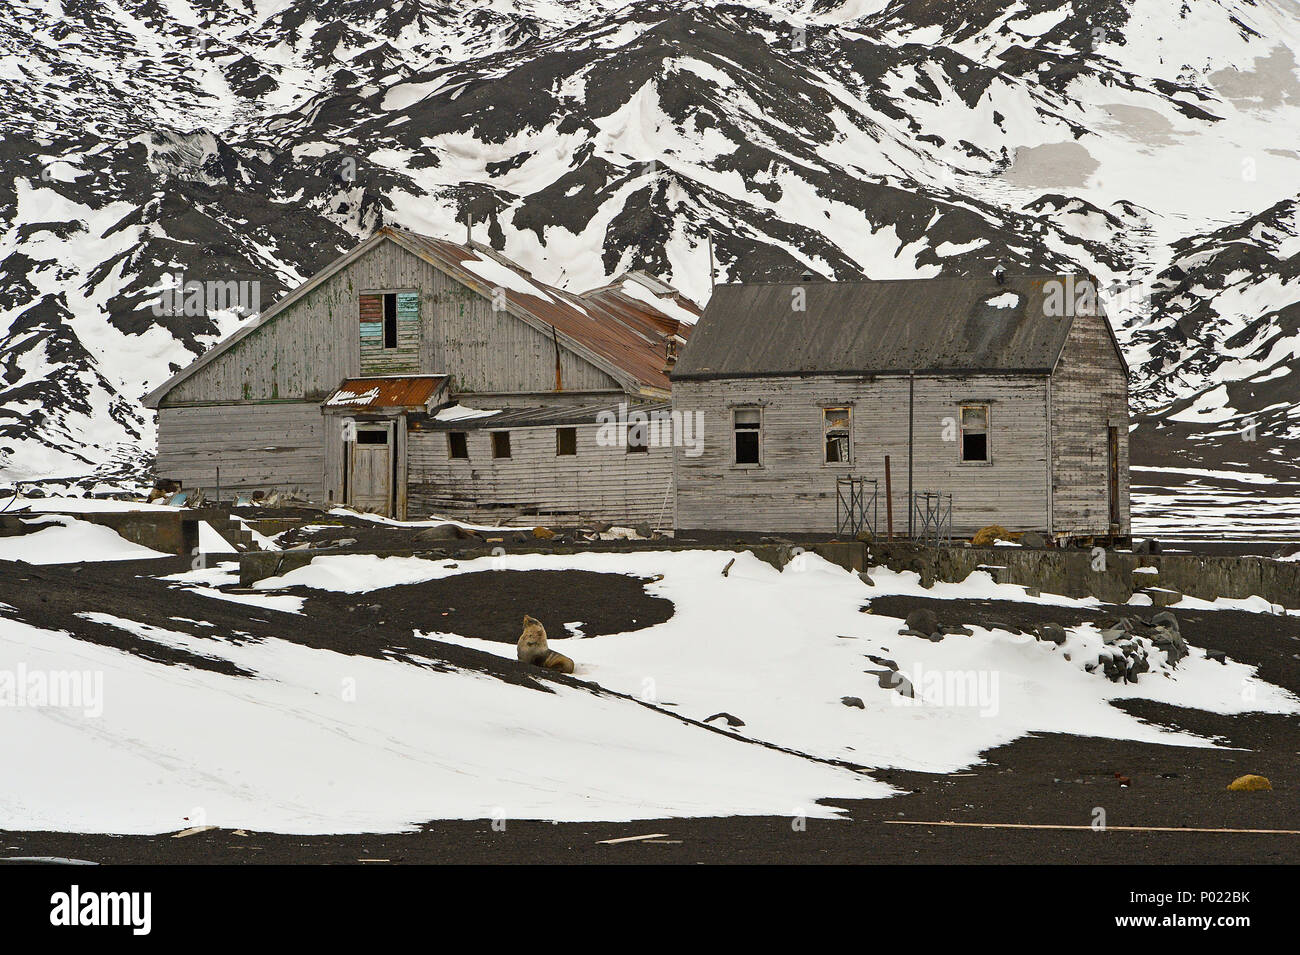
x,y
1050,633
1148,546
853,701
1250,783
1165,619
1033,539
922,623
862,576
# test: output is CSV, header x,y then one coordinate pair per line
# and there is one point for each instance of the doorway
x,y
1112,476
370,471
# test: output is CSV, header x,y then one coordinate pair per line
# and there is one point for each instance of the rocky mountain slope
x,y
1149,142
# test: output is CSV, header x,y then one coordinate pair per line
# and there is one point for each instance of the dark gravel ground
x,y
1056,780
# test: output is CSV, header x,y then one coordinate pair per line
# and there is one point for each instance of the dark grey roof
x,y
899,325
538,417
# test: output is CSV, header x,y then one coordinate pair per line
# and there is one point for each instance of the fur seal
x,y
532,648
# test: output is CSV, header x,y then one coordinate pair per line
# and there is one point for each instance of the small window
x,y
638,438
566,441
457,446
747,424
500,444
975,432
837,427
390,320
372,437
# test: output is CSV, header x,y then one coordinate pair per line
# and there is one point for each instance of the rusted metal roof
x,y
542,416
944,324
626,336
410,391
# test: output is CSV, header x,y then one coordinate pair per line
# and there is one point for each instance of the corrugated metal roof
x,y
542,416
617,329
923,325
410,391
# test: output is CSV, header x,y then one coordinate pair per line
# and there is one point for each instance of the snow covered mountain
x,y
1149,142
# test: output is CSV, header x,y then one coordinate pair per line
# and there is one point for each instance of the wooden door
x,y
371,476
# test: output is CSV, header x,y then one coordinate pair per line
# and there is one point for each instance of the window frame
x,y
988,433
497,436
559,452
451,450
735,433
848,409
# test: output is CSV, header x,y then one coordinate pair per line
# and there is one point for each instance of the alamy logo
x,y
1069,297
58,689
656,429
181,297
74,907
973,689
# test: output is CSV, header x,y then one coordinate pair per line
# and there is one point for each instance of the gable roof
x,y
944,324
622,335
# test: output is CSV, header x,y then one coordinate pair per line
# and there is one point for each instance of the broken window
x,y
747,423
500,444
390,320
457,445
975,432
836,427
638,440
566,441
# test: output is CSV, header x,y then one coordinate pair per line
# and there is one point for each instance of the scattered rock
x,y
1218,656
862,576
1051,633
1033,539
730,720
1165,619
853,701
922,623
644,530
1149,546
864,536
1250,783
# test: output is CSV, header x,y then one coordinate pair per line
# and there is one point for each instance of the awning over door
x,y
406,392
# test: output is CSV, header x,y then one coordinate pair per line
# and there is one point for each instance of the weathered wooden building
x,y
415,375
1008,393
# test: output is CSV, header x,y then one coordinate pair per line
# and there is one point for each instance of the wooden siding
x,y
257,446
597,483
794,491
304,352
1089,394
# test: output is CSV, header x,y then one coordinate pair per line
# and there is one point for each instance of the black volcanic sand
x,y
491,605
1042,779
